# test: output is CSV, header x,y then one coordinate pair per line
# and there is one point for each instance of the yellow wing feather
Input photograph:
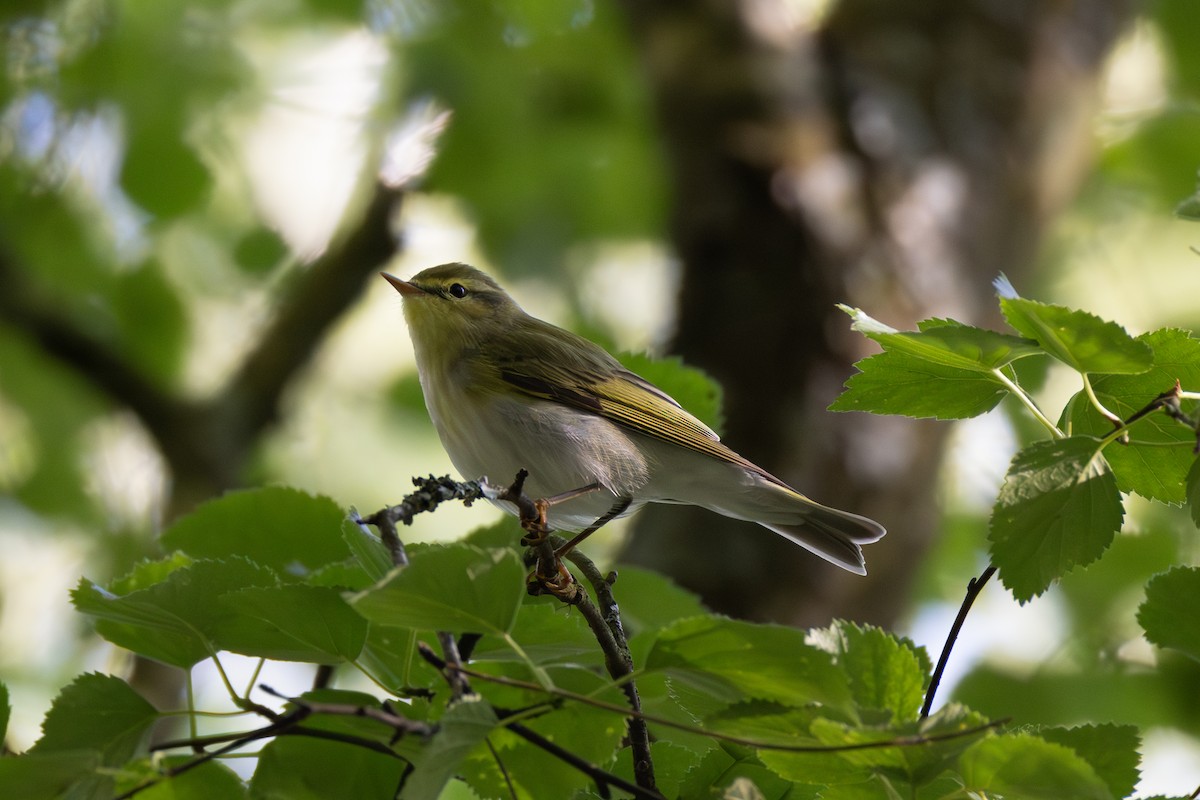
x,y
600,385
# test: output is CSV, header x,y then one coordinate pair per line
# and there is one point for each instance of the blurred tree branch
x,y
207,442
896,157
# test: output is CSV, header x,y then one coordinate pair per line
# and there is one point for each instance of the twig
x,y
601,777
563,694
431,492
974,587
618,661
288,725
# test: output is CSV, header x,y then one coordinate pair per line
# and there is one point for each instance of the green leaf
x,y
1170,614
368,550
163,174
1156,461
151,319
464,727
725,765
591,734
900,384
692,388
46,775
209,780
300,768
733,660
387,656
1112,750
173,621
453,587
885,673
1081,340
292,623
259,251
1020,765
946,342
100,713
571,158
1059,508
290,531
549,633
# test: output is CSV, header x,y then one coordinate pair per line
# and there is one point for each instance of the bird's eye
x,y
457,290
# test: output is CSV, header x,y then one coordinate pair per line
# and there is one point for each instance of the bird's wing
x,y
623,397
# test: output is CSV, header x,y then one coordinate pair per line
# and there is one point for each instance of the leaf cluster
x,y
1131,427
279,574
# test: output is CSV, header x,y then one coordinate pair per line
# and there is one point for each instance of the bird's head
x,y
454,304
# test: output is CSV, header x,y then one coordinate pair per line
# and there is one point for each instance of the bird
x,y
507,391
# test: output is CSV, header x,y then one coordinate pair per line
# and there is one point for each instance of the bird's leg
x,y
608,516
537,529
572,494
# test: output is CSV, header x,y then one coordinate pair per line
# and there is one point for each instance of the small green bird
x,y
508,391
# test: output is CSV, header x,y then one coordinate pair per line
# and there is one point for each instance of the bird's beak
x,y
403,287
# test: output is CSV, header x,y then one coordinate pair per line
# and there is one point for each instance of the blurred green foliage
x,y
127,215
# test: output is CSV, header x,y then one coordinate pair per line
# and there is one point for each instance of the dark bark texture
x,y
891,156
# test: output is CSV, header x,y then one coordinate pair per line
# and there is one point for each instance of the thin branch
x,y
564,694
974,587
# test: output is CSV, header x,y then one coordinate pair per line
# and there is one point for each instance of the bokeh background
x,y
196,198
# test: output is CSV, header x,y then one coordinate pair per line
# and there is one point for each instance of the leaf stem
x,y
1091,393
1027,401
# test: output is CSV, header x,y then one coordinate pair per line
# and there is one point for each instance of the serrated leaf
x,y
1059,508
1083,341
733,660
290,531
292,623
885,673
1170,614
1156,461
464,727
100,713
899,384
454,587
1112,750
175,620
1020,765
946,342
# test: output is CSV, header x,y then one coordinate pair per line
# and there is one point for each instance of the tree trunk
x,y
897,158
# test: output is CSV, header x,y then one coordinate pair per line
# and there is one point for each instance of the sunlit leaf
x,y
1059,508
1079,339
1112,750
1020,765
1170,614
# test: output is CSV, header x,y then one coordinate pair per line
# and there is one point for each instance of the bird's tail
x,y
834,535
